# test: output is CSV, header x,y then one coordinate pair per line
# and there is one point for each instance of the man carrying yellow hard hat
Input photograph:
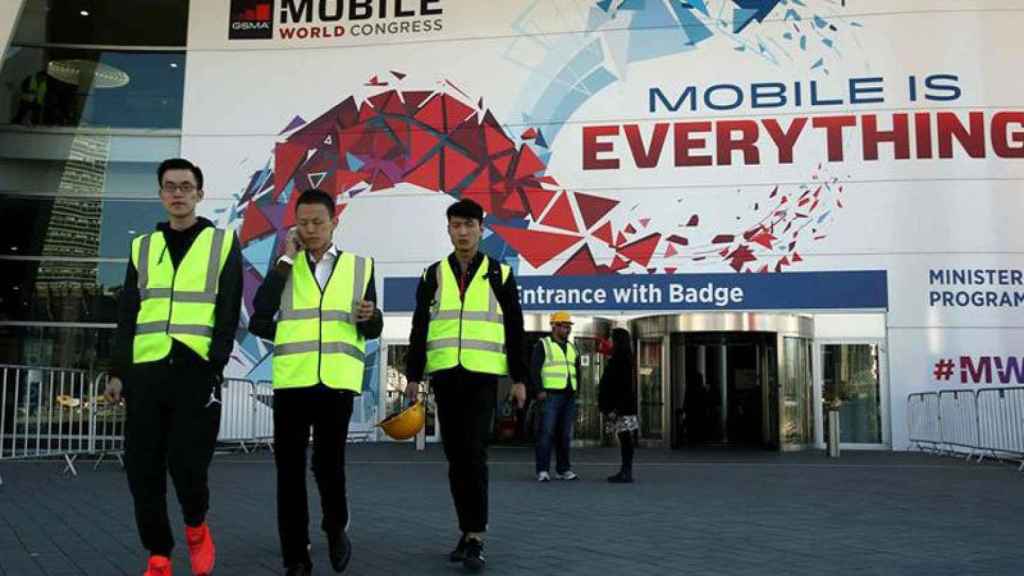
x,y
555,374
318,305
467,332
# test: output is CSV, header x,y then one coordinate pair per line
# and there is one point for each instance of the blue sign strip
x,y
846,290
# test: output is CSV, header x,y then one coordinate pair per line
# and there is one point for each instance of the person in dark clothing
x,y
467,332
617,400
177,319
555,377
315,381
33,101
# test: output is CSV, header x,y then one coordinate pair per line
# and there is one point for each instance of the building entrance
x,y
723,389
725,379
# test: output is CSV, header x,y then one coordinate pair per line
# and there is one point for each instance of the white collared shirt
x,y
325,266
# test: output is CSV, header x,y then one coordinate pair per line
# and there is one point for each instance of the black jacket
x,y
617,390
227,309
267,302
507,294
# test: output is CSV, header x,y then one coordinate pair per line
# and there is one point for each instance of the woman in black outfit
x,y
617,400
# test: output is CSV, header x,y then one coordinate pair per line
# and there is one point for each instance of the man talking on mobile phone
x,y
318,305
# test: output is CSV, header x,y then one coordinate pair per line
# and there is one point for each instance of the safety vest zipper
x,y
320,313
568,369
462,307
170,308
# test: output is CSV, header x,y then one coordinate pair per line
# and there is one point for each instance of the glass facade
x,y
649,385
851,378
797,392
90,103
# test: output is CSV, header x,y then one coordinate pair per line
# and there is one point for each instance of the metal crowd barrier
x,y
45,412
959,418
263,417
107,422
1001,421
923,420
246,417
984,422
60,412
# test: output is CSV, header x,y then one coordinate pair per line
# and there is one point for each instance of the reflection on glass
x,y
649,384
82,348
104,22
77,87
588,416
55,291
796,392
851,377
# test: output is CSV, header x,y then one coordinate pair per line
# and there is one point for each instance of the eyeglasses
x,y
171,187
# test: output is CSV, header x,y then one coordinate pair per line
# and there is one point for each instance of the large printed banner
x,y
683,292
621,141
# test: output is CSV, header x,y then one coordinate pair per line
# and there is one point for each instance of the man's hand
x,y
292,244
412,392
364,310
112,392
542,395
519,393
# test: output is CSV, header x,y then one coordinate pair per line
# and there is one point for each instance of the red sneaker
x,y
200,549
158,566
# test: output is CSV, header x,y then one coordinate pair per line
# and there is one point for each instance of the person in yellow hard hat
x,y
555,375
467,332
318,305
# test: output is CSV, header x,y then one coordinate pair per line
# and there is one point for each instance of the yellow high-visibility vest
x,y
177,303
559,366
316,339
468,331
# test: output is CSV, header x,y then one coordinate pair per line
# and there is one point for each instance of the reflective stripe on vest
x,y
177,303
316,339
558,366
467,331
36,90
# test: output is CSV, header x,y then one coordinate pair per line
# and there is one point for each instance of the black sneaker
x,y
474,560
339,550
299,570
623,477
459,554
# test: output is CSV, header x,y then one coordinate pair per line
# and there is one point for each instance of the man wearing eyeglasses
x,y
177,318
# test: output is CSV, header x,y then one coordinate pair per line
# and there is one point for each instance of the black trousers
x,y
327,412
465,412
172,424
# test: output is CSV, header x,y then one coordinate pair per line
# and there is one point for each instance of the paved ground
x,y
703,513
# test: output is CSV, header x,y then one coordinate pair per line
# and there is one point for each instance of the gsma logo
x,y
251,20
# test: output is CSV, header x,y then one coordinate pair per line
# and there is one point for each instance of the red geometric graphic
x,y
255,224
538,248
593,208
582,264
538,199
560,215
604,232
642,250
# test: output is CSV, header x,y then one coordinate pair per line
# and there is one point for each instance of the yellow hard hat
x,y
405,424
560,317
